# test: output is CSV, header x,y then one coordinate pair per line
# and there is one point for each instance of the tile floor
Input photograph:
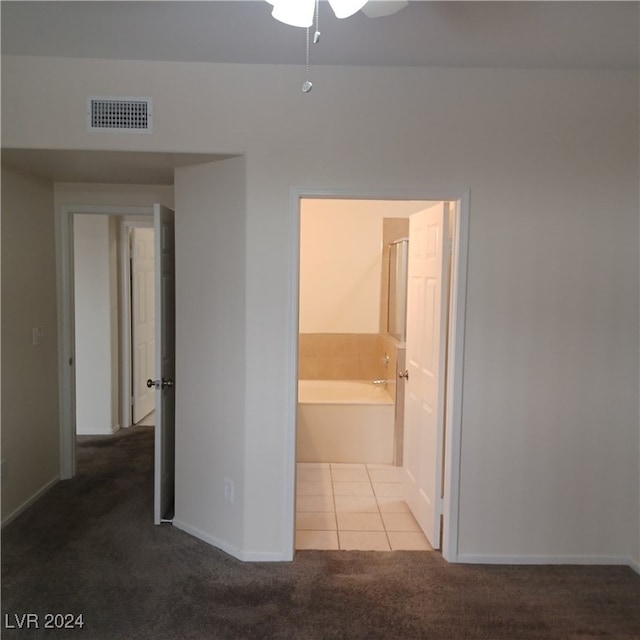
x,y
354,506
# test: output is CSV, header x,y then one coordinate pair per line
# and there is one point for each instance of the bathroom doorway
x,y
356,499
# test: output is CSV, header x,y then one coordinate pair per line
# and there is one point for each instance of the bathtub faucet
x,y
380,382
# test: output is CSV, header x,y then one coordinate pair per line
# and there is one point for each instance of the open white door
x,y
425,374
143,343
164,470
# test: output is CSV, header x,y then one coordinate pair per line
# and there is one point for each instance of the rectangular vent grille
x,y
120,114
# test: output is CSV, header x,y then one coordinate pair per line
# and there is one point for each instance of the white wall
x,y
30,440
96,324
341,263
550,410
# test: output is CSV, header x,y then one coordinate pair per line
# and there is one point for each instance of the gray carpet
x,y
88,547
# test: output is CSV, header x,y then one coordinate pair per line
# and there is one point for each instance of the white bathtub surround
x,y
345,421
354,506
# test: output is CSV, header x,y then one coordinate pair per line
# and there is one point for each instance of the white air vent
x,y
119,114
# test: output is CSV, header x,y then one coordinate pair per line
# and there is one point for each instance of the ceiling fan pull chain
x,y
307,84
316,35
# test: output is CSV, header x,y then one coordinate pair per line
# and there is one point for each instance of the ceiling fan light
x,y
346,8
297,13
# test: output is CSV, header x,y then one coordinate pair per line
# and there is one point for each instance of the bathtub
x,y
344,421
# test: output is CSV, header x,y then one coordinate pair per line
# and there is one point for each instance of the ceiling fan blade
x,y
381,8
346,8
297,13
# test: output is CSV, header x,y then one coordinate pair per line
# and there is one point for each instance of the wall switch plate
x,y
228,490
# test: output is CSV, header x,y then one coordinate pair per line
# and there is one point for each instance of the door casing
x,y
457,315
66,328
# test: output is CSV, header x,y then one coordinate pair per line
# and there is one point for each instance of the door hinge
x,y
450,245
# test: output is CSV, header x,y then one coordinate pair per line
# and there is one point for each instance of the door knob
x,y
403,374
165,383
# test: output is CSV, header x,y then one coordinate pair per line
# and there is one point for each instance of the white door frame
x,y
453,427
126,388
66,325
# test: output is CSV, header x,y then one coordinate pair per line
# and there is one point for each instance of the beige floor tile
x,y
363,540
367,512
325,540
314,503
355,504
306,488
352,489
392,505
316,521
390,474
408,541
360,522
350,475
400,522
389,489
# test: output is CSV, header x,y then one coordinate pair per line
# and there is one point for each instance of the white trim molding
x,y
470,558
245,556
633,564
36,496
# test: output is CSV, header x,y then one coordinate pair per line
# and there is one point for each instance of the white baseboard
x,y
98,432
539,560
25,505
245,556
634,564
264,556
209,539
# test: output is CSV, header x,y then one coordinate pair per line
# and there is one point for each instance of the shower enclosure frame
x,y
397,301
